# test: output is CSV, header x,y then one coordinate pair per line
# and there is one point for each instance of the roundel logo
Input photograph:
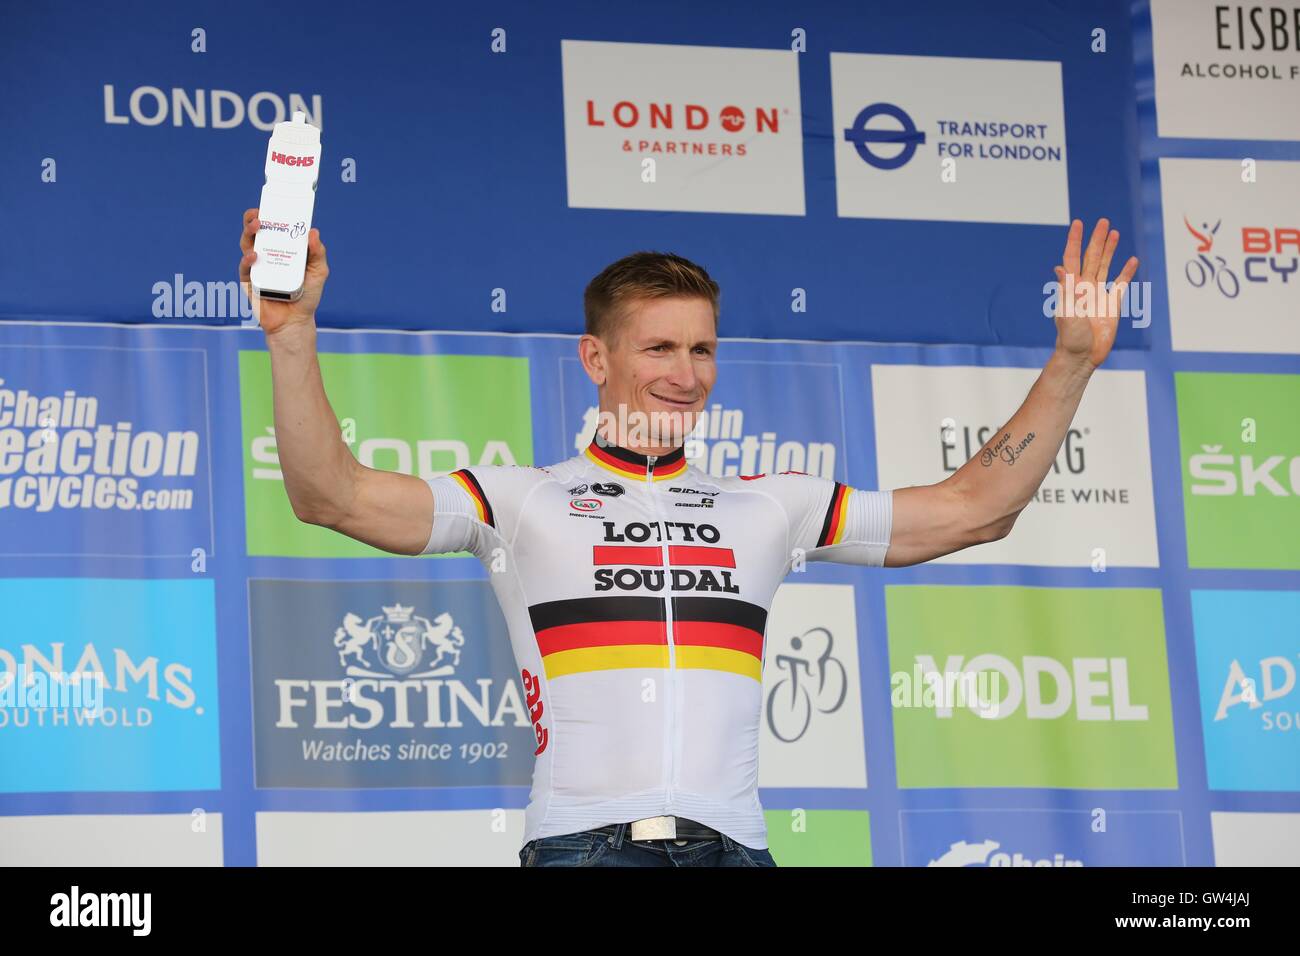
x,y
907,136
586,504
732,119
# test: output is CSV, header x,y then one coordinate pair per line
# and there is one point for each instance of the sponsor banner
x,y
1240,450
682,128
1247,657
423,415
104,451
149,650
1046,838
819,837
1095,507
361,684
1226,70
1077,677
1232,254
113,840
489,837
812,699
748,427
1256,839
949,138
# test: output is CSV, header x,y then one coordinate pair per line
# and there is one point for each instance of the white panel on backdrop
x,y
812,701
1256,839
391,838
930,420
949,138
163,839
722,125
1226,70
1232,253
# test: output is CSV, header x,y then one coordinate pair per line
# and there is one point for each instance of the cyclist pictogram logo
x,y
822,686
1202,269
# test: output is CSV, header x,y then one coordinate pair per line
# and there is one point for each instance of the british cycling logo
x,y
962,853
395,644
1261,259
822,688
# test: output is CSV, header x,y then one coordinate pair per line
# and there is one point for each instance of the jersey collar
x,y
631,464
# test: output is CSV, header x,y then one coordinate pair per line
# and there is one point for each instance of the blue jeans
x,y
602,848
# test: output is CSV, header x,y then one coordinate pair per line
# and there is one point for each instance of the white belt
x,y
655,828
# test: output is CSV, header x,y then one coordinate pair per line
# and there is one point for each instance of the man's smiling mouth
x,y
673,401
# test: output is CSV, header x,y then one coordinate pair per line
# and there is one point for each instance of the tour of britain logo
x,y
387,684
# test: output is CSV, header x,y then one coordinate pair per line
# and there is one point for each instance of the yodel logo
x,y
1096,688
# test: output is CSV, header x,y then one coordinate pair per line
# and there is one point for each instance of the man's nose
x,y
681,373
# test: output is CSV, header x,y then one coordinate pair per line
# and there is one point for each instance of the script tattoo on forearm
x,y
1003,450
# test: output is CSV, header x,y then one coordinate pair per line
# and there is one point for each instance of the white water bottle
x,y
288,197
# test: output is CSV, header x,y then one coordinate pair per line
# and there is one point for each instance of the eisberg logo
x,y
285,159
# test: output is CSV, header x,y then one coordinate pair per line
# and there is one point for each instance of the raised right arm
x,y
326,485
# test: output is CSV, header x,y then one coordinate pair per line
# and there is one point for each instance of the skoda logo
x,y
611,489
909,137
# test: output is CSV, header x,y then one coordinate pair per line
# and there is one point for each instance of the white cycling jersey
x,y
636,592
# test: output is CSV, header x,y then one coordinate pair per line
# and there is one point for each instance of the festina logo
x,y
367,703
286,160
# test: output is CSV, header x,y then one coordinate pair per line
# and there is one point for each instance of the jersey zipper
x,y
670,689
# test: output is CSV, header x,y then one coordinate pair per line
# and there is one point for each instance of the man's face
x,y
661,363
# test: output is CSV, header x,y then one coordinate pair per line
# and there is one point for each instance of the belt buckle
x,y
655,828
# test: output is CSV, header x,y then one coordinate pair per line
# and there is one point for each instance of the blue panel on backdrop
x,y
459,161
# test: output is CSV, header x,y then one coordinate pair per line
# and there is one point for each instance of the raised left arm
x,y
981,500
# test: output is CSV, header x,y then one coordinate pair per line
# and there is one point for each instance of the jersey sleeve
x,y
832,521
477,509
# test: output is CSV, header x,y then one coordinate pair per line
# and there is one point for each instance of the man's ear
x,y
591,351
